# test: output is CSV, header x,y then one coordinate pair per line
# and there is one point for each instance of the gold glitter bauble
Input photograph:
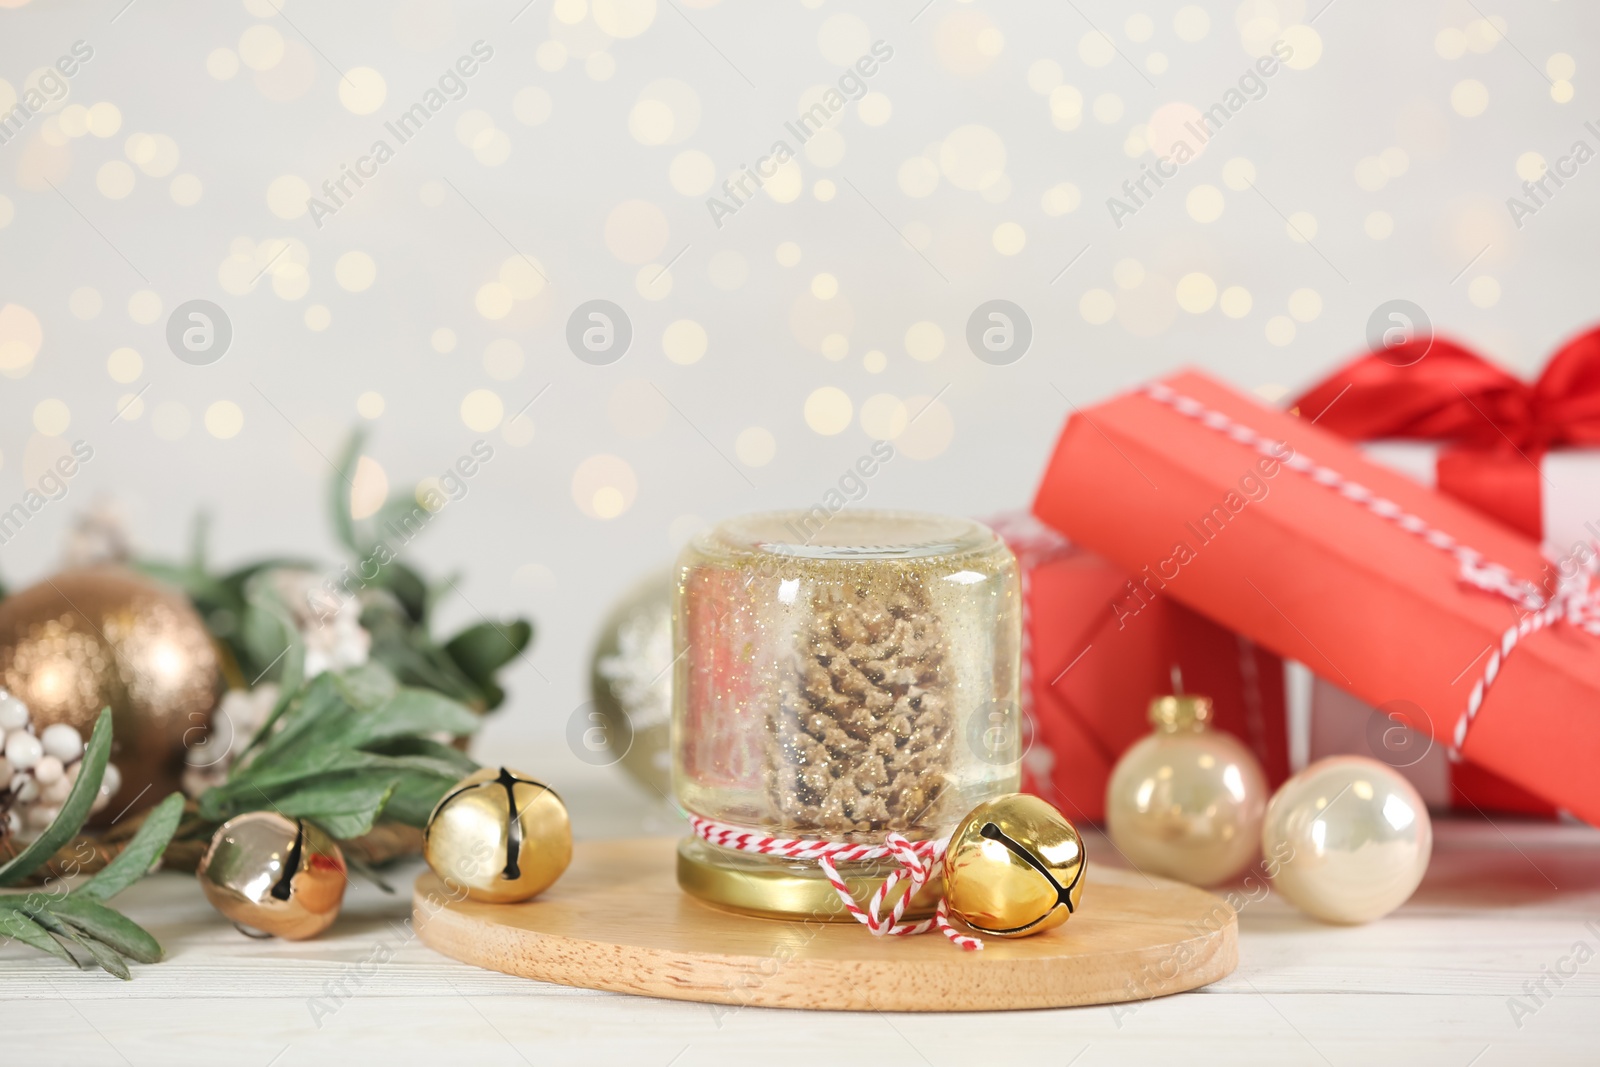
x,y
278,875
1014,867
99,636
500,835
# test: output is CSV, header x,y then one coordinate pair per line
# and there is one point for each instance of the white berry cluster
x,y
37,770
328,621
237,719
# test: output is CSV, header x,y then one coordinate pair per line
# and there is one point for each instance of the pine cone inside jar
x,y
864,734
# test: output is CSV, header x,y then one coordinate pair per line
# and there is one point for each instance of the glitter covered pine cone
x,y
864,727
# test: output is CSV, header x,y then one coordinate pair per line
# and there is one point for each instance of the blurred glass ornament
x,y
630,678
99,536
1348,839
1187,801
98,636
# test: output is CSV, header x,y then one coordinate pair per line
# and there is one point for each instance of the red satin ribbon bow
x,y
1496,425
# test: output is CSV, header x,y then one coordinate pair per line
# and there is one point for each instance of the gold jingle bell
x,y
499,835
282,876
1014,867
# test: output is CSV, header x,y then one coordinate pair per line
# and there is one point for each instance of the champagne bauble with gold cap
x,y
1187,801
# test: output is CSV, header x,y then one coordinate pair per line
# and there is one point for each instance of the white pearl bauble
x,y
28,791
22,750
1347,840
13,713
62,741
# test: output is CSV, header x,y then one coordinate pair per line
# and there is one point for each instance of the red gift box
x,y
1341,724
1088,676
1284,532
1441,413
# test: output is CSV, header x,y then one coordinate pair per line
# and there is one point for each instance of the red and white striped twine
x,y
1576,600
917,860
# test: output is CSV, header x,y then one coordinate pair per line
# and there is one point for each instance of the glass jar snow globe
x,y
839,678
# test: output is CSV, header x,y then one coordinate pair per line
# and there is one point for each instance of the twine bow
x,y
1580,596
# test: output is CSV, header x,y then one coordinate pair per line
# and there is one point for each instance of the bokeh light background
x,y
768,353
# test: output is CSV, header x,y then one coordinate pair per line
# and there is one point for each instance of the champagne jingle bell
x,y
499,835
282,876
1014,867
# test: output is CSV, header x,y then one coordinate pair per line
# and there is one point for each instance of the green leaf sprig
x,y
350,747
463,667
254,627
57,920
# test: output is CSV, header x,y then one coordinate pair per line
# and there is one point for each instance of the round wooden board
x,y
618,921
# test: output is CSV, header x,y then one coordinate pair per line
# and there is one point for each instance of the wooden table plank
x,y
1430,984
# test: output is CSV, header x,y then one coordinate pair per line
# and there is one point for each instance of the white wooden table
x,y
1504,904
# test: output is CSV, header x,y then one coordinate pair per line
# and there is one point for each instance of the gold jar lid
x,y
768,887
1180,712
